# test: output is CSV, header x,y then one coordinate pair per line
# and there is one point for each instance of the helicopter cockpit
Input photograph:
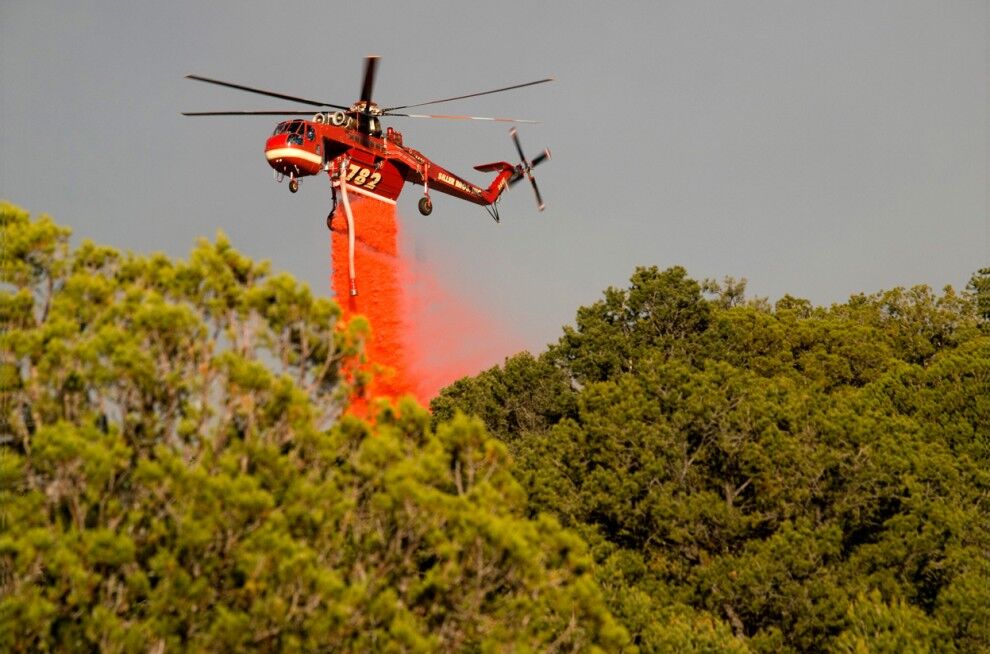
x,y
296,129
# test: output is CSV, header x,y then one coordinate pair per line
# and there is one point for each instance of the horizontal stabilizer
x,y
494,167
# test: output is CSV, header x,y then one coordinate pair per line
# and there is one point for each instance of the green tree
x,y
175,474
876,626
798,478
979,285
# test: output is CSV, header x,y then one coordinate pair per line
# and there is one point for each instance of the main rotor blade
x,y
446,117
471,95
241,87
277,112
370,66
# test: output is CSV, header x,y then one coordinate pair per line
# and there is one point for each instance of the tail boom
x,y
444,181
500,183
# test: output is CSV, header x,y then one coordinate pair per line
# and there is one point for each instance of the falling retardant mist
x,y
423,336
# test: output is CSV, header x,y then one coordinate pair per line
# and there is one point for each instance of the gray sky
x,y
815,148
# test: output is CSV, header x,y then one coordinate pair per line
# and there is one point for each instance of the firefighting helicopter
x,y
359,157
350,143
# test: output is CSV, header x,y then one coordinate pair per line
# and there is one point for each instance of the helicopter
x,y
350,145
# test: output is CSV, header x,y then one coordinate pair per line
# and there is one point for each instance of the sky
x,y
819,149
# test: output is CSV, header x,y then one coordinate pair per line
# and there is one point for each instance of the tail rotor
x,y
525,168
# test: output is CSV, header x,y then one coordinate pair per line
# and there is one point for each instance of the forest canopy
x,y
176,474
684,470
806,478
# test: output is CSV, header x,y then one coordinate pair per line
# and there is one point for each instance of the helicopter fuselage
x,y
370,165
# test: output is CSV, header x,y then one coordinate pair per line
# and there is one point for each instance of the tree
x,y
979,285
175,473
798,478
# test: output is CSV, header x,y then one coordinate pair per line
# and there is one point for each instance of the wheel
x,y
425,206
330,221
293,185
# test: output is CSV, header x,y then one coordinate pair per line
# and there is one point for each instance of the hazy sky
x,y
814,148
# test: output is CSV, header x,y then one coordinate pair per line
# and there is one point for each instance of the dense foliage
x,y
175,475
685,470
764,478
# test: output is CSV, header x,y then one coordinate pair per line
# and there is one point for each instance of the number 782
x,y
359,176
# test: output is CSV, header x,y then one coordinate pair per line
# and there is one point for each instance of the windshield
x,y
289,126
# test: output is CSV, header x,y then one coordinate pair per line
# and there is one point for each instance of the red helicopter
x,y
358,156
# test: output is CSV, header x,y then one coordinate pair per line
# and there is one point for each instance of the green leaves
x,y
783,479
660,309
175,472
979,286
878,626
33,252
175,475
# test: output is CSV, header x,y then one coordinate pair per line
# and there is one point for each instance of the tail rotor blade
x,y
539,198
515,139
525,168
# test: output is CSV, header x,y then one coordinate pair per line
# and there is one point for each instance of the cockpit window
x,y
310,134
294,127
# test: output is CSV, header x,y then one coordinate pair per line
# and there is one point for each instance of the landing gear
x,y
425,205
293,185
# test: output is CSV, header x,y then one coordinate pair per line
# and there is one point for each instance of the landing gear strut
x,y
425,205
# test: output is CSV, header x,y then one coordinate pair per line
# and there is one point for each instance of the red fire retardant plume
x,y
422,337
